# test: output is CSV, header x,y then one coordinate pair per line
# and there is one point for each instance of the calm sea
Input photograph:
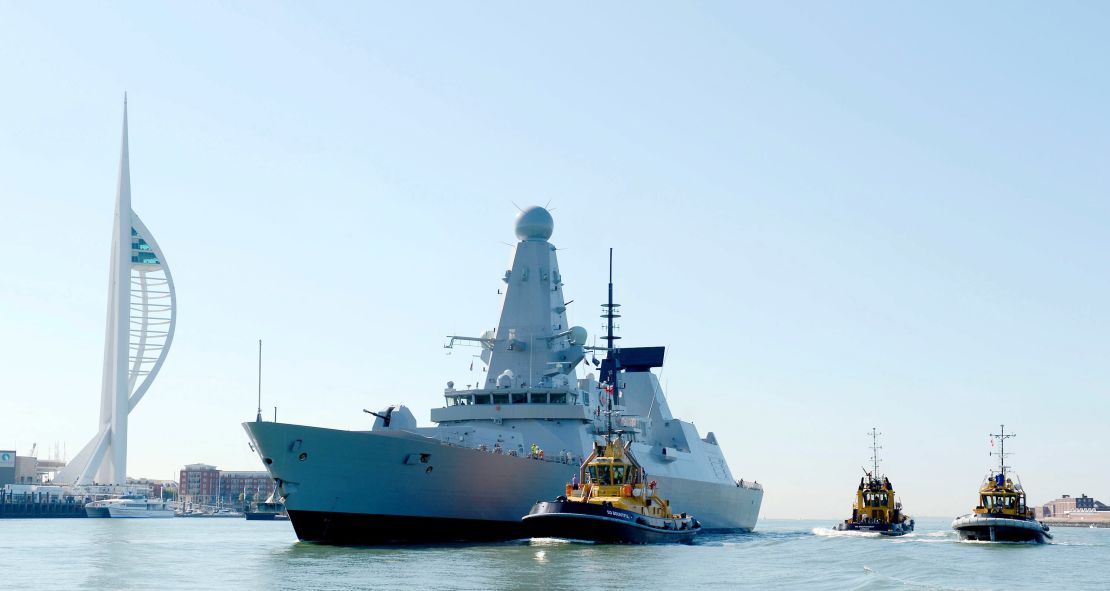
x,y
782,554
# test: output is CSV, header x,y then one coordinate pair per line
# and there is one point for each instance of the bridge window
x,y
558,398
500,398
519,398
481,399
536,398
618,473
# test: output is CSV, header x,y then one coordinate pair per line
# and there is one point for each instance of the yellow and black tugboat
x,y
876,509
1002,514
610,500
612,504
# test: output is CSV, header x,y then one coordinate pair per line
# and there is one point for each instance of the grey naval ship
x,y
507,442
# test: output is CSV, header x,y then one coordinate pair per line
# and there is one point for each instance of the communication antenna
x,y
611,313
258,417
1001,453
875,447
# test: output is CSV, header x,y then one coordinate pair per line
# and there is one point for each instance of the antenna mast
x,y
258,417
1001,453
875,447
611,313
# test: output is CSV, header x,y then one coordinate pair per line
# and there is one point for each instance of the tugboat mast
x,y
875,447
610,313
1001,453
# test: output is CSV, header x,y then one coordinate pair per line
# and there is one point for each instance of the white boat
x,y
100,508
506,441
143,508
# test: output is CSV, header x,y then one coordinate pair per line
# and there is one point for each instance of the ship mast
x,y
611,313
875,447
258,417
1001,453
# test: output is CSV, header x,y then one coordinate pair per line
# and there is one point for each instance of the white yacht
x,y
513,438
140,508
100,508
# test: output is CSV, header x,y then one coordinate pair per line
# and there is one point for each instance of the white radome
x,y
534,223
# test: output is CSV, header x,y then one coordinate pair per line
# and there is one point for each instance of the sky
x,y
834,215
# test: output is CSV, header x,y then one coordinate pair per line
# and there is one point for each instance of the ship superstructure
x,y
511,439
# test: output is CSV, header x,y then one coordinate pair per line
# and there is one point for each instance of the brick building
x,y
202,484
1069,504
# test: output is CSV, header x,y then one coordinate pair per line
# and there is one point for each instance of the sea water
x,y
782,554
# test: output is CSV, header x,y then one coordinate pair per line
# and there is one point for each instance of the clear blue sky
x,y
835,215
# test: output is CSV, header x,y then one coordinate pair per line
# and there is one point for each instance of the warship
x,y
509,440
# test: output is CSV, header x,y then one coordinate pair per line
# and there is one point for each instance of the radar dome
x,y
578,336
534,223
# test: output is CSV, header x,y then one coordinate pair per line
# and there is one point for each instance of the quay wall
x,y
40,506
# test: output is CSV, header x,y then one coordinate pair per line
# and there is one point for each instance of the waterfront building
x,y
1068,504
17,469
142,313
7,466
203,484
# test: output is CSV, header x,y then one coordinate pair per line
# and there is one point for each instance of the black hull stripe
x,y
360,529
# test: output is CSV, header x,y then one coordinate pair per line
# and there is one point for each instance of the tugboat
x,y
876,509
1002,514
612,504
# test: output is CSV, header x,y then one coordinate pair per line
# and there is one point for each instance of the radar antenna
x,y
1002,436
875,447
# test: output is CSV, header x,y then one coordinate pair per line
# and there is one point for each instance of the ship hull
x,y
608,525
358,487
886,529
118,512
374,530
99,512
978,528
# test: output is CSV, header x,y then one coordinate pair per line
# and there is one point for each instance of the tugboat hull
x,y
886,529
983,528
584,521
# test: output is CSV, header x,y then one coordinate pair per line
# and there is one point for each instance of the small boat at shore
x,y
1002,514
266,511
876,509
129,506
99,509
